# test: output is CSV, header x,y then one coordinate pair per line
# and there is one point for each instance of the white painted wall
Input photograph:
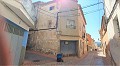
x,y
114,40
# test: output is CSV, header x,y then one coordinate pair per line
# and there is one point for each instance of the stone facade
x,y
44,40
58,24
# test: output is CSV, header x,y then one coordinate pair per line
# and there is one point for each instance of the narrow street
x,y
93,58
60,32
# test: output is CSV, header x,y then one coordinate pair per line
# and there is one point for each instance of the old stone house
x,y
60,28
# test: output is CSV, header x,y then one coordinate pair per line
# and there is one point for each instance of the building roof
x,y
43,3
50,2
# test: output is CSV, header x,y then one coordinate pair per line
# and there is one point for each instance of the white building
x,y
112,16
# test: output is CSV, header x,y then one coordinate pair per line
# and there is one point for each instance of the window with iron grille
x,y
71,24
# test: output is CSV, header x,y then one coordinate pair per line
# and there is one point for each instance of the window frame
x,y
71,24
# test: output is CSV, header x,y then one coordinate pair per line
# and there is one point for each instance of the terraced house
x,y
60,28
17,18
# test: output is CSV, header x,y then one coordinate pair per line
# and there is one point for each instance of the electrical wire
x,y
83,7
47,14
72,10
85,13
70,16
110,11
92,5
46,11
93,11
99,13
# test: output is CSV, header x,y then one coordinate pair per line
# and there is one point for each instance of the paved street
x,y
94,58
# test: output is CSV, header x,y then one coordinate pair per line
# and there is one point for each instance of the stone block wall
x,y
44,41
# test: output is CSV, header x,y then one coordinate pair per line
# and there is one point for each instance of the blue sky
x,y
93,19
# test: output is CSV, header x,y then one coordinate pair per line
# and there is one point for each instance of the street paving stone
x,y
93,58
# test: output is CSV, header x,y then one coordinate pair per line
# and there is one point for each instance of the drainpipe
x,y
58,30
57,21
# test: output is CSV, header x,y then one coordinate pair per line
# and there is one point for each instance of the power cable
x,y
110,12
83,7
92,5
70,16
93,11
86,13
47,14
99,12
72,10
46,11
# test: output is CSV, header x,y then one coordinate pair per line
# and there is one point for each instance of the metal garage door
x,y
15,36
68,47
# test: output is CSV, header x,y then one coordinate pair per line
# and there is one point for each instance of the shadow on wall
x,y
115,50
30,43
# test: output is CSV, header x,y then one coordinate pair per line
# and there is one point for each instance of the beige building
x,y
60,28
17,19
104,35
90,43
112,18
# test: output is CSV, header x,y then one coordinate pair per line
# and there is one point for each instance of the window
x,y
71,24
51,8
83,36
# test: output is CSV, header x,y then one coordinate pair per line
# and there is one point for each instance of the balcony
x,y
19,7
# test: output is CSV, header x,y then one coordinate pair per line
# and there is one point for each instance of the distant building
x,y
98,44
17,19
60,28
104,35
90,42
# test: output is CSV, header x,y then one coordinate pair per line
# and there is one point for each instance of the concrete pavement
x,y
94,58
